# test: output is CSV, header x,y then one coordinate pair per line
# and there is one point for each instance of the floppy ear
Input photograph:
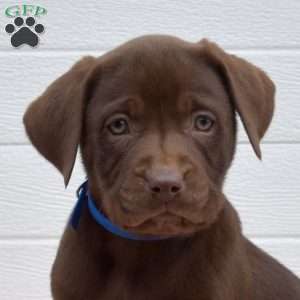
x,y
251,90
53,121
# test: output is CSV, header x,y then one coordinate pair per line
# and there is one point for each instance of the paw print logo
x,y
22,34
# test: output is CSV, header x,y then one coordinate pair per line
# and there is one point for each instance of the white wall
x,y
34,205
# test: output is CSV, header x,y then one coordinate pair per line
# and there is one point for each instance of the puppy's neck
x,y
220,236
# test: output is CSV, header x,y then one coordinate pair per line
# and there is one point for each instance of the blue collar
x,y
83,195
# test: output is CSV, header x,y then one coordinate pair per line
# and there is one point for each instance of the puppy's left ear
x,y
53,121
250,89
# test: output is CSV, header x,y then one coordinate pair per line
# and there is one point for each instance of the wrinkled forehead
x,y
172,80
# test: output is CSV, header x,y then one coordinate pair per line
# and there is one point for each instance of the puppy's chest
x,y
124,286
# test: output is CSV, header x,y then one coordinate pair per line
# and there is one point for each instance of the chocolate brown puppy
x,y
156,126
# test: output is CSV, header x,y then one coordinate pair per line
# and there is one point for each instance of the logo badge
x,y
25,29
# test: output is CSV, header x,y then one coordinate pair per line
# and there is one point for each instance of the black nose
x,y
165,182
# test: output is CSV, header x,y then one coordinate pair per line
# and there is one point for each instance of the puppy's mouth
x,y
164,224
181,217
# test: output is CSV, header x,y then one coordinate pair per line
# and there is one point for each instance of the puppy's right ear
x,y
53,121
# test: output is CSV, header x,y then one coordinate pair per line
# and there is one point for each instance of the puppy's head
x,y
155,119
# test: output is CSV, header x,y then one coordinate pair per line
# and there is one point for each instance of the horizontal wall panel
x,y
30,263
33,201
25,270
104,24
20,86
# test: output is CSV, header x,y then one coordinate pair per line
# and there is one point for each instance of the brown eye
x,y
118,126
203,122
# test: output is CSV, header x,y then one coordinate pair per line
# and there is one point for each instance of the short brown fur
x,y
159,85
